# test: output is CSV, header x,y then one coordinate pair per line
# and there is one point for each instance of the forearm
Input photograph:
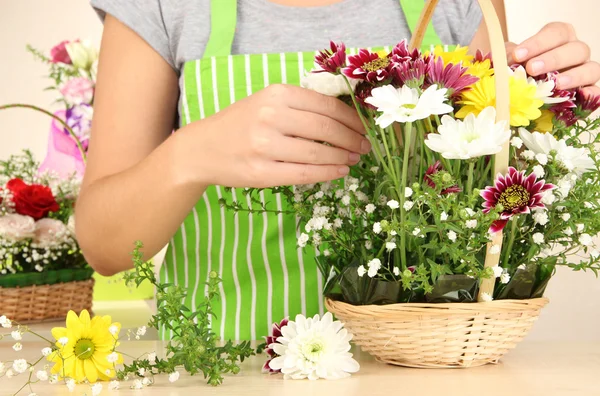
x,y
147,202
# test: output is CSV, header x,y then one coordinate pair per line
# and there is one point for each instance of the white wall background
x,y
574,312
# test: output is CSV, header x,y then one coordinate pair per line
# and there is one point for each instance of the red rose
x,y
59,53
32,200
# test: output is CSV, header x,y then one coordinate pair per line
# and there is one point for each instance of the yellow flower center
x,y
84,349
409,105
376,64
513,197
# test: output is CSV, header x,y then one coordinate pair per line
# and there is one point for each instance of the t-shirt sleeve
x,y
143,17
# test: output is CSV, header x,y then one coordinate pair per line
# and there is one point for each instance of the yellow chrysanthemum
x,y
524,106
544,122
480,69
87,345
460,54
382,53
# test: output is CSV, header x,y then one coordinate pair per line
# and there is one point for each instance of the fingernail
x,y
353,157
344,170
563,81
365,146
537,66
521,53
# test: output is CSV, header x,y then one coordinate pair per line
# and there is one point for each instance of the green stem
x,y
511,240
470,178
63,123
407,141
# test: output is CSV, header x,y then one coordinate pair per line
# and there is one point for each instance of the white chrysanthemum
x,y
538,238
474,137
585,239
327,83
405,105
576,160
314,348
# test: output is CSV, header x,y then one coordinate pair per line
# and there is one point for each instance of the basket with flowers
x,y
438,246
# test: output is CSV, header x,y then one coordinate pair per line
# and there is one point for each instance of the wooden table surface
x,y
532,369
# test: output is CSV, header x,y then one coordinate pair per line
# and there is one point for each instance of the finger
x,y
287,174
591,91
300,151
571,54
580,76
510,47
551,36
324,129
306,100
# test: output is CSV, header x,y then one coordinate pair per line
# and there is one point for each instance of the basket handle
x,y
502,102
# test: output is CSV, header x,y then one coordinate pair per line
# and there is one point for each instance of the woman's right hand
x,y
275,137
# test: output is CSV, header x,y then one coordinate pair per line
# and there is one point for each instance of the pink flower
x,y
276,333
409,72
451,76
332,60
481,57
59,54
78,90
432,170
15,227
368,66
516,193
49,232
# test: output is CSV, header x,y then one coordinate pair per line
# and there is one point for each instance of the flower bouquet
x,y
482,180
42,271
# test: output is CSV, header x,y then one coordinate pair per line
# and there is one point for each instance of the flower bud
x,y
82,54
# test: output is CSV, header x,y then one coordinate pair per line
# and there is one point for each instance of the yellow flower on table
x,y
84,346
524,104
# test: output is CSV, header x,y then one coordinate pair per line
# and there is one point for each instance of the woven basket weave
x,y
449,335
46,302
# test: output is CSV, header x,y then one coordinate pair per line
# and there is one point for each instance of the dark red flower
x,y
432,170
481,57
453,77
332,60
32,200
272,339
368,66
59,54
516,193
363,91
401,51
586,104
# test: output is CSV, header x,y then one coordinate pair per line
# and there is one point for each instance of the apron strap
x,y
223,21
412,11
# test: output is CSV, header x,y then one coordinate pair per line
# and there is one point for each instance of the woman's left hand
x,y
556,47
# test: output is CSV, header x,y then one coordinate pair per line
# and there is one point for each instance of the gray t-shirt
x,y
179,29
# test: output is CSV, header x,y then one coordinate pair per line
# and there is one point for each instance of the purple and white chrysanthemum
x,y
368,66
517,194
453,77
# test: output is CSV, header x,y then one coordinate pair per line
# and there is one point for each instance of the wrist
x,y
189,167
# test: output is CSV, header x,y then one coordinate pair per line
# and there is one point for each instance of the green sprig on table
x,y
194,345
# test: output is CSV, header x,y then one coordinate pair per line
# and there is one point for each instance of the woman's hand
x,y
275,137
556,47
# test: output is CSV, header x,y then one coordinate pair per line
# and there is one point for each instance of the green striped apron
x,y
266,277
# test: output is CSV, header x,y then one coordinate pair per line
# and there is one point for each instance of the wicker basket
x,y
449,335
453,334
46,302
